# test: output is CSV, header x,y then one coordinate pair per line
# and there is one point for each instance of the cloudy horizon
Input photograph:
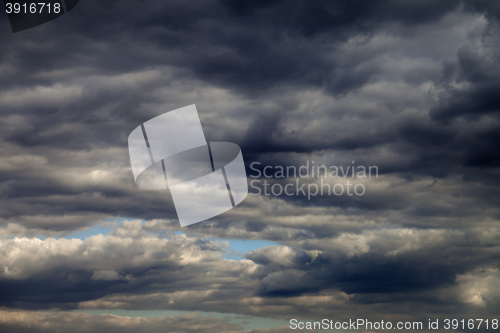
x,y
408,86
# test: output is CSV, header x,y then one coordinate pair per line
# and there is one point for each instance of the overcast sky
x,y
411,87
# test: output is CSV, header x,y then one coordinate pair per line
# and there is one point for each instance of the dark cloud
x,y
25,321
135,268
407,86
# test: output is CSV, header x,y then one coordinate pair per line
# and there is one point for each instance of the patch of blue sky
x,y
238,247
92,231
242,246
104,228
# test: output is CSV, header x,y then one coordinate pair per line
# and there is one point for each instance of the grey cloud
x,y
25,321
133,268
407,86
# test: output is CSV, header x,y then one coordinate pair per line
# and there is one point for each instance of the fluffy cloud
x,y
24,321
410,87
136,268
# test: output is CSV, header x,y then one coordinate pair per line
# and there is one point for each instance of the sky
x,y
410,87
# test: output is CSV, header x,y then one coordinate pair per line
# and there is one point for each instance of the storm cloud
x,y
408,86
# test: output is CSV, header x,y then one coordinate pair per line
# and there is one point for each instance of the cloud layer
x,y
410,87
